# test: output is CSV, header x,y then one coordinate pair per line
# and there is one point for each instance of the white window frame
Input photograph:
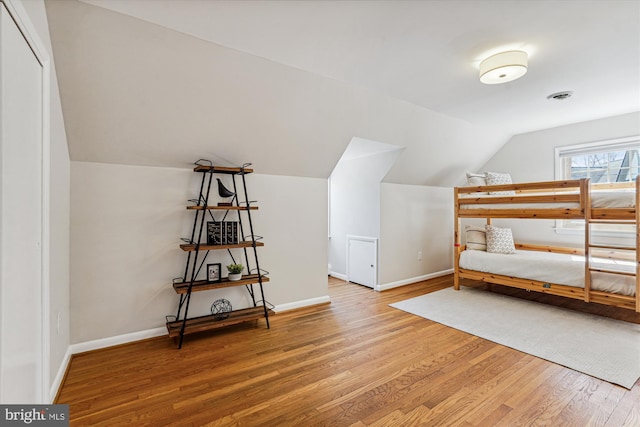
x,y
585,148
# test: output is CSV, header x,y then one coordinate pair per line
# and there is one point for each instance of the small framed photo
x,y
213,272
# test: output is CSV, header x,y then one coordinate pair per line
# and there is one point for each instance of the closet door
x,y
21,142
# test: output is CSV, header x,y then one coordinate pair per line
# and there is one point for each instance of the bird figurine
x,y
224,192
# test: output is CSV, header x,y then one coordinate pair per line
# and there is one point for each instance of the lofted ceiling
x,y
289,83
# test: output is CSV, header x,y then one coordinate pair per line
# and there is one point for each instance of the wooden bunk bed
x,y
570,199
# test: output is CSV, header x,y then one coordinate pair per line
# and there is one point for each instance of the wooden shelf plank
x,y
223,208
206,323
222,169
203,285
188,247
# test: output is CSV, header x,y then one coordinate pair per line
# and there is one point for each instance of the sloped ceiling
x,y
428,52
134,92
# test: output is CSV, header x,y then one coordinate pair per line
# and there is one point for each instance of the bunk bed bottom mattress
x,y
561,269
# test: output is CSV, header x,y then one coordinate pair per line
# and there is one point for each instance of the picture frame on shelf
x,y
213,272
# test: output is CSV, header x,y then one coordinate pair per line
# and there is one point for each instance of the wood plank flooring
x,y
354,362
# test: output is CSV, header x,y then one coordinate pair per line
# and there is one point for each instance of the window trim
x,y
562,151
584,148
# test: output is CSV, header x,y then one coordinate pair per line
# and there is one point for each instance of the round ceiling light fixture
x,y
503,67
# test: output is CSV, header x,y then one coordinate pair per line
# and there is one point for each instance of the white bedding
x,y
562,269
599,199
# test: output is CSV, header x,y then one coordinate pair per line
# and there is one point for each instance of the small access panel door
x,y
362,260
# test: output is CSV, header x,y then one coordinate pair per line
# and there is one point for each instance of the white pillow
x,y
495,178
476,180
500,240
476,238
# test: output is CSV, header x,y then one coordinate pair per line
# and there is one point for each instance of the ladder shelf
x,y
199,247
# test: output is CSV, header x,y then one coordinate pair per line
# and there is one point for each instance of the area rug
x,y
597,346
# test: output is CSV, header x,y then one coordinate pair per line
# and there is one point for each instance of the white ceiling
x,y
427,52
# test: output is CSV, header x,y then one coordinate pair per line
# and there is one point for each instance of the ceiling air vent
x,y
560,95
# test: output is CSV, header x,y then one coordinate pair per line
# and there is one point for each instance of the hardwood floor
x,y
354,362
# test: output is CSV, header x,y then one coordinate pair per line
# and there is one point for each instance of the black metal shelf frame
x,y
192,267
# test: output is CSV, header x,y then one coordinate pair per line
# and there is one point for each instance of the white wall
x,y
126,224
355,203
530,157
415,219
293,220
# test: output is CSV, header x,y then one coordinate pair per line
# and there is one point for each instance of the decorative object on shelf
x,y
221,309
222,233
235,271
225,193
214,233
213,272
230,233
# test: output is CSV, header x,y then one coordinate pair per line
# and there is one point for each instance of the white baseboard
x,y
410,280
57,381
116,340
300,304
338,275
399,283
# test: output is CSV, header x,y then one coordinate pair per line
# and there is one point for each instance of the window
x,y
613,161
602,163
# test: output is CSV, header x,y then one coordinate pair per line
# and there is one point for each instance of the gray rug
x,y
597,346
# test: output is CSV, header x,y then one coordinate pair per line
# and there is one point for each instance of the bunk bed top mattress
x,y
561,269
599,199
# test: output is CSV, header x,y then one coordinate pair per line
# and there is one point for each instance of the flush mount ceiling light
x,y
503,67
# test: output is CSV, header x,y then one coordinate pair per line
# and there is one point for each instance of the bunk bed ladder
x,y
613,248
